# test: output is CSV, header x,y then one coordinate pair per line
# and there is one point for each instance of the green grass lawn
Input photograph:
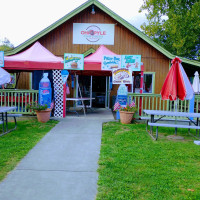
x,y
16,144
133,166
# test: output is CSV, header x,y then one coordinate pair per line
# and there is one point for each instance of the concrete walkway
x,y
63,165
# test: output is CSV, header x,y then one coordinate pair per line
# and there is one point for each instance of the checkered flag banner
x,y
116,106
132,104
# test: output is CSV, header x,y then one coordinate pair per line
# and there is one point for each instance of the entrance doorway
x,y
93,87
99,91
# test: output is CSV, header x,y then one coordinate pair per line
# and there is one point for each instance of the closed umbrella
x,y
177,84
4,77
195,84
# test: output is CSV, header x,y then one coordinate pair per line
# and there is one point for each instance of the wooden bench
x,y
171,126
158,124
164,119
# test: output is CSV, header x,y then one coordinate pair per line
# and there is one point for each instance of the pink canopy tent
x,y
36,57
93,61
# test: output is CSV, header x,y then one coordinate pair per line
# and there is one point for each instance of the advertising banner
x,y
64,75
122,76
111,62
86,33
132,62
1,58
73,61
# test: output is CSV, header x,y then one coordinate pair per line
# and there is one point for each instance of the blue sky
x,y
22,19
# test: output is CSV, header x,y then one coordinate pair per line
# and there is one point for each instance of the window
x,y
149,83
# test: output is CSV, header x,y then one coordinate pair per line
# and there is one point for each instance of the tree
x,y
175,25
6,45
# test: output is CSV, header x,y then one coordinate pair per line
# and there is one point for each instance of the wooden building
x,y
58,38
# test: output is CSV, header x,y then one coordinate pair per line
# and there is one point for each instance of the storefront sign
x,y
122,76
73,61
111,62
85,33
1,58
122,95
132,62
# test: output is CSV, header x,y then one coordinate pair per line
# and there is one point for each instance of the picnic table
x,y
82,99
171,119
4,118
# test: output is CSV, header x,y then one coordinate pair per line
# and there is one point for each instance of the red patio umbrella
x,y
177,84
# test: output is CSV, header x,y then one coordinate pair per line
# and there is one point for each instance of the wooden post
x,y
64,100
141,89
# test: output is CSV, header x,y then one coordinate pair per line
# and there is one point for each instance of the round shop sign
x,y
93,33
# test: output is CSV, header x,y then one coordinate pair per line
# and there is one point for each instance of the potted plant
x,y
126,113
42,111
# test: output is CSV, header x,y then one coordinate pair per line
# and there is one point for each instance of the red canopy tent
x,y
92,63
36,57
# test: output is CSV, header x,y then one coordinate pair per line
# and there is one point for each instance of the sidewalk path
x,y
63,165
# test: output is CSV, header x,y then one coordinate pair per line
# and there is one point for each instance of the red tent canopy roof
x,y
96,57
93,61
36,57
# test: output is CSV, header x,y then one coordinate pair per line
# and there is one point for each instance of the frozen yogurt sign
x,y
73,61
1,59
132,62
111,62
122,76
85,33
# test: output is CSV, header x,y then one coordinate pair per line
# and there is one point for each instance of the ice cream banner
x,y
73,61
1,58
111,62
64,75
122,76
132,62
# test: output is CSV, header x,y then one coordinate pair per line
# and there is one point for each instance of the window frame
x,y
153,81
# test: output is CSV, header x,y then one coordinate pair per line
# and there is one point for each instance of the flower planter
x,y
43,115
126,117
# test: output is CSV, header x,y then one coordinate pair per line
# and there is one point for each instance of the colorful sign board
x,y
122,76
132,62
73,61
64,75
1,58
86,33
111,62
122,95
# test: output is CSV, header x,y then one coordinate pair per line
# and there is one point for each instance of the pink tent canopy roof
x,y
36,57
93,62
97,56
